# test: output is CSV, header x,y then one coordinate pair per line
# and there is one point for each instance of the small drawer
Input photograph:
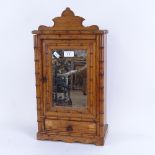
x,y
70,127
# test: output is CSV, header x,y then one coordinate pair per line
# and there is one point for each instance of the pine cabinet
x,y
70,74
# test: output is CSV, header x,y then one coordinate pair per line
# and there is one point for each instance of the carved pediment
x,y
68,21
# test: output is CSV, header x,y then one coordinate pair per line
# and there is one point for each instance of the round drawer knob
x,y
69,128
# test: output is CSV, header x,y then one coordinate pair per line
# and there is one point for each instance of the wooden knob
x,y
69,128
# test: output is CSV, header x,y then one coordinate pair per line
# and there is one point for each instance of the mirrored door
x,y
69,78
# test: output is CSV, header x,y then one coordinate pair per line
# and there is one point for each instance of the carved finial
x,y
68,12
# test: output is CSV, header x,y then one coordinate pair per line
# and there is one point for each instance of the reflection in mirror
x,y
69,77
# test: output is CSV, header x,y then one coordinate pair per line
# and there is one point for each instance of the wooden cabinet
x,y
70,80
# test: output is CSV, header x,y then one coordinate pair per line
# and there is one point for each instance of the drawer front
x,y
70,127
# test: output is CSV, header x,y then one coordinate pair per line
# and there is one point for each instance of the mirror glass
x,y
69,78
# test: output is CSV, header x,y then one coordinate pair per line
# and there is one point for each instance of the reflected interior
x,y
69,77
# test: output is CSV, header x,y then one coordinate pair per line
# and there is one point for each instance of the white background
x,y
131,75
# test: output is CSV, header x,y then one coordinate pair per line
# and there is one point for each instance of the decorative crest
x,y
68,21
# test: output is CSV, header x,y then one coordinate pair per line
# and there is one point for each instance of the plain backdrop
x,y
130,75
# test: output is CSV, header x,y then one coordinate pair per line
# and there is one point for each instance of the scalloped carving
x,y
68,21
